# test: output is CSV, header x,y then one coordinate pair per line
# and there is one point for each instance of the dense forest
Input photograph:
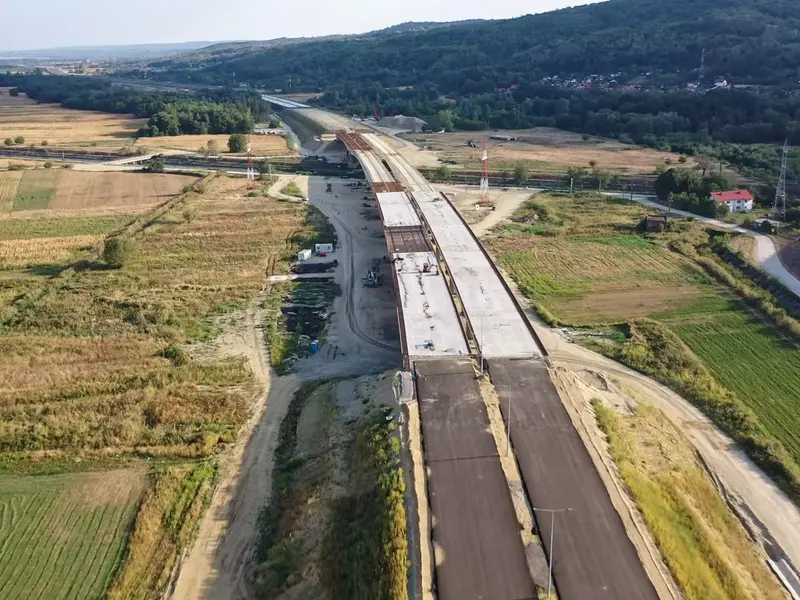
x,y
747,41
638,53
213,111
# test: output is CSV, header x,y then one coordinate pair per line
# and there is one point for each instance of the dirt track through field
x,y
216,567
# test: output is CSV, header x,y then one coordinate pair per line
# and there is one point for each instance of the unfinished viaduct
x,y
454,311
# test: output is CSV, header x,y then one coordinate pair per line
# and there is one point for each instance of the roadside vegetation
x,y
336,523
705,547
98,370
666,305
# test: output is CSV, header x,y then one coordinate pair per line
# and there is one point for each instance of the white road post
x,y
508,427
552,512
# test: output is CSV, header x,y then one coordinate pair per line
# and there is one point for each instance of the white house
x,y
720,82
735,200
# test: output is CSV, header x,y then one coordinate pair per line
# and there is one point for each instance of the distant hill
x,y
221,52
749,41
131,52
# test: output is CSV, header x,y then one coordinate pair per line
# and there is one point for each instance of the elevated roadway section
x,y
596,559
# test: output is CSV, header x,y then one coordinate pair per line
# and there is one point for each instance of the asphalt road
x,y
478,548
593,559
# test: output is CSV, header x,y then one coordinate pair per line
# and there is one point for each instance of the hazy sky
x,y
33,24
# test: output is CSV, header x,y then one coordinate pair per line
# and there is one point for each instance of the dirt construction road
x,y
215,568
362,329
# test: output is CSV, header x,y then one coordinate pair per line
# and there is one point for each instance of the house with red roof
x,y
735,200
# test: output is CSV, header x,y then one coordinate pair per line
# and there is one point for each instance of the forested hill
x,y
746,41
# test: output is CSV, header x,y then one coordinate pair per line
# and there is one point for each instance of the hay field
x,y
64,536
546,150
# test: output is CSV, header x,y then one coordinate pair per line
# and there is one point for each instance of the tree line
x,y
168,113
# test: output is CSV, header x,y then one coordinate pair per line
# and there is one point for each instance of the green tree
x,y
19,140
116,252
444,173
156,166
14,92
44,142
520,173
237,143
577,175
48,165
9,142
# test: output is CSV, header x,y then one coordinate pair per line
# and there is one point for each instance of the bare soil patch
x,y
78,190
548,149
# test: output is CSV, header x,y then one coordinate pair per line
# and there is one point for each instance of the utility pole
x,y
485,174
669,206
552,512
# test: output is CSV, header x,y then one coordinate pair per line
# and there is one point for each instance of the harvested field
x,y
79,190
261,145
64,536
65,128
18,254
9,182
546,150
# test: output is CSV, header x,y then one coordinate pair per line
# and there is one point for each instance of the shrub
x,y
116,252
48,165
9,142
174,354
44,142
19,140
237,143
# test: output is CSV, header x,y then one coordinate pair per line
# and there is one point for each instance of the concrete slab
x,y
397,210
500,329
374,169
430,322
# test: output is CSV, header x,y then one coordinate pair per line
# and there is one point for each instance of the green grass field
x,y
747,357
591,268
63,536
36,189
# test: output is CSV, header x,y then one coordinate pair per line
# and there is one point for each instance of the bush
x,y
174,354
44,142
116,252
19,140
14,92
9,142
48,165
66,166
237,143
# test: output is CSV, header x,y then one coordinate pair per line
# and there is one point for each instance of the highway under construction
x,y
457,317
